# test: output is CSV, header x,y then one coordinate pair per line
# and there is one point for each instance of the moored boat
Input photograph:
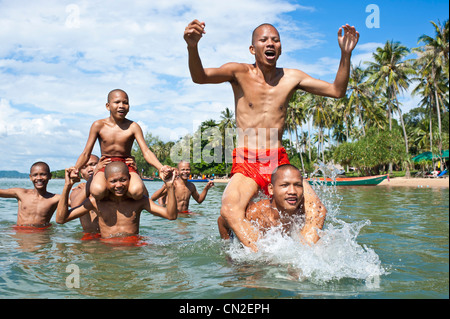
x,y
350,181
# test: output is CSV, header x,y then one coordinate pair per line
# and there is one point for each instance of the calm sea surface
x,y
378,242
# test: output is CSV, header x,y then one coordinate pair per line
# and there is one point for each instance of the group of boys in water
x,y
110,203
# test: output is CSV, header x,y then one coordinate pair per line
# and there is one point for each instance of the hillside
x,y
12,174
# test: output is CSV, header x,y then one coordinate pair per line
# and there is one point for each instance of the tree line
x,y
366,129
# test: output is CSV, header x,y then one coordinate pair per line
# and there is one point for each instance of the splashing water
x,y
335,256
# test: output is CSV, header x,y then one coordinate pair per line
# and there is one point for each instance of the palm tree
x,y
227,123
319,110
391,74
296,117
432,62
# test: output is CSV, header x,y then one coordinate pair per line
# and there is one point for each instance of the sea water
x,y
377,242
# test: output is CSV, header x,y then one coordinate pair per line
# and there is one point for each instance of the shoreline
x,y
396,181
416,182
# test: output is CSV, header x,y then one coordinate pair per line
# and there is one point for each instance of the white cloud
x,y
59,59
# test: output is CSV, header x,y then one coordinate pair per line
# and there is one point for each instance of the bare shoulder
x,y
296,75
191,186
99,124
256,210
53,197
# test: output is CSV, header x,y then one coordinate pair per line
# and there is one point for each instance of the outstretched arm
x,y
63,214
192,35
337,89
149,156
159,193
10,193
84,157
199,198
170,211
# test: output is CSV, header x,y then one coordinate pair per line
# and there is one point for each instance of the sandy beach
x,y
416,182
398,181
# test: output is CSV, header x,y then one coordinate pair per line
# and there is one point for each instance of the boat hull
x,y
355,181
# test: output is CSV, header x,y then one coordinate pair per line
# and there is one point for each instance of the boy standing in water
x,y
118,215
89,222
262,93
292,204
184,189
36,206
116,135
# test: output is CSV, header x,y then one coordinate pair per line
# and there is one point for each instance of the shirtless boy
x,y
262,93
36,206
116,135
292,202
184,189
89,222
118,215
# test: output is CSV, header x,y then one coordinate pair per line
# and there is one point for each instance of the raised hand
x,y
209,185
194,32
169,175
349,39
71,177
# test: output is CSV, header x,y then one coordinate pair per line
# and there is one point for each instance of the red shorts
x,y
186,212
31,229
258,164
91,236
132,240
120,159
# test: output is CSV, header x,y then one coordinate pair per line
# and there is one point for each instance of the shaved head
x,y
283,168
114,91
42,164
116,167
260,26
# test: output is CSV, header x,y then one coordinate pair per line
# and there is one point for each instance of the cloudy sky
x,y
59,59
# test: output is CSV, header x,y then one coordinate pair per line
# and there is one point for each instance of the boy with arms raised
x,y
116,135
36,206
184,189
262,92
118,215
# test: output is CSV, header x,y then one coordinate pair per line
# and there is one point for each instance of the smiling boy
x,y
292,202
116,135
118,215
184,189
35,206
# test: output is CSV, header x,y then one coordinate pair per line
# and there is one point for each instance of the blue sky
x,y
59,59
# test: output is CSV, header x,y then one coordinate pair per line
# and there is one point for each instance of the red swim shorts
x,y
131,169
258,164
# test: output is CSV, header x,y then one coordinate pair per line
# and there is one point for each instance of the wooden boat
x,y
350,181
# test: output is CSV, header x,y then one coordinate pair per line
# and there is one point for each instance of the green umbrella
x,y
425,156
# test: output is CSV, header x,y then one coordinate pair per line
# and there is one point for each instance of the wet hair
x,y
281,168
40,164
262,25
116,167
113,91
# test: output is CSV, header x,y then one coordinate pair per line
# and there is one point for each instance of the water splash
x,y
335,256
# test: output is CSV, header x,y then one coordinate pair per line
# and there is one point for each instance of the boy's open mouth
x,y
291,200
270,54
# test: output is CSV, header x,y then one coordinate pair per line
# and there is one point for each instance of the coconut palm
x,y
432,63
390,73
